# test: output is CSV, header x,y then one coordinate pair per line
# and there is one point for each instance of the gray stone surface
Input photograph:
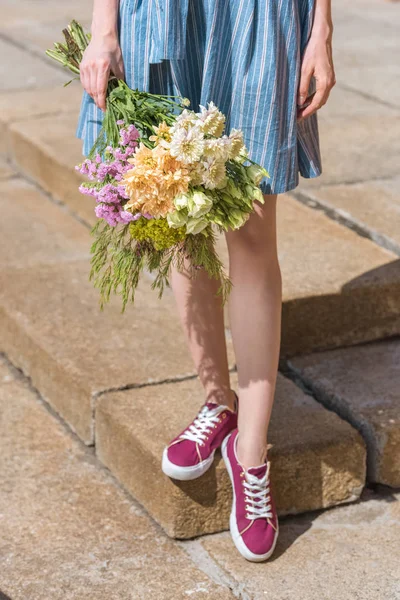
x,y
22,70
338,288
363,385
318,460
358,147
6,170
47,151
351,553
67,529
34,230
366,48
23,105
372,207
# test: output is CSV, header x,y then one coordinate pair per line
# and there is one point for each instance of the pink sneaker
x,y
253,520
191,453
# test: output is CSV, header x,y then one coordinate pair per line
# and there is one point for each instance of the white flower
x,y
236,144
182,201
218,148
176,219
212,120
186,119
196,225
212,173
187,145
201,204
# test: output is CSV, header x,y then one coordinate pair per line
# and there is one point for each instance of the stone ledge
x,y
363,385
23,70
6,170
338,288
52,327
67,528
318,459
34,230
46,150
372,207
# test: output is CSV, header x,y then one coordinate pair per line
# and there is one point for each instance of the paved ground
x,y
67,529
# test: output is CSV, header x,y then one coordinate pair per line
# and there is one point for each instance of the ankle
x,y
226,397
251,454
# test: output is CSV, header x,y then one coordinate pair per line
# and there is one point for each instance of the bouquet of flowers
x,y
164,179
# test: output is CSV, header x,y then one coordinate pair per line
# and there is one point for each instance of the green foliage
x,y
118,261
143,109
70,53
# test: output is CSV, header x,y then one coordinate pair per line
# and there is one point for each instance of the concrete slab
x,y
22,70
338,288
349,552
28,104
353,147
6,170
52,327
310,321
47,101
67,529
366,49
47,151
24,12
372,207
362,384
34,230
318,460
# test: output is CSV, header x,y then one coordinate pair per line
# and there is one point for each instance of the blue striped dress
x,y
244,55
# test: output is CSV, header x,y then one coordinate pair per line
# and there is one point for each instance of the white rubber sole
x,y
185,473
236,537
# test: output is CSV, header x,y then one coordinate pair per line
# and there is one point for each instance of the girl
x,y
267,65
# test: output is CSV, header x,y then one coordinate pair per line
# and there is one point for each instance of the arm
x,y
103,53
317,61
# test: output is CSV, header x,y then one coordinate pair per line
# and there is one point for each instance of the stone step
x,y
372,208
362,384
80,359
27,71
68,530
50,321
318,459
37,133
338,288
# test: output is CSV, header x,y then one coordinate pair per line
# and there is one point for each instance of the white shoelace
x,y
256,487
203,424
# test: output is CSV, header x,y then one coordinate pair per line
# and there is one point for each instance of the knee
x,y
253,243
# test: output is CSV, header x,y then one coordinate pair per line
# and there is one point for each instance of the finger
x,y
84,78
101,87
92,85
304,85
118,69
319,99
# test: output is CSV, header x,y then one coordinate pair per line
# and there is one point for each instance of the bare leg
x,y
201,313
255,321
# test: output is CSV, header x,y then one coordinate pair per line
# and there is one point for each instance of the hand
x,y
317,61
102,56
